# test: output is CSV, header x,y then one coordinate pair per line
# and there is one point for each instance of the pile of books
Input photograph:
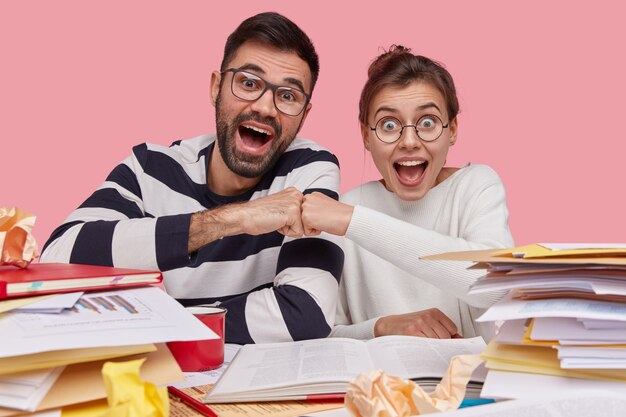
x,y
60,323
563,318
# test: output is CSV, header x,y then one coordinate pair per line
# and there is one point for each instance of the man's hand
x,y
321,213
426,323
277,212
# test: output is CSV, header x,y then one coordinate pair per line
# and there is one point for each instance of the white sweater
x,y
383,274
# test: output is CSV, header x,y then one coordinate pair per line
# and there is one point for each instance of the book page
x,y
419,357
272,365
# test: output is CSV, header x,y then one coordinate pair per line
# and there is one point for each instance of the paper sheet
x,y
560,328
617,288
511,332
510,309
503,385
594,363
602,324
52,304
563,250
591,352
112,318
581,246
25,390
194,379
54,358
8,305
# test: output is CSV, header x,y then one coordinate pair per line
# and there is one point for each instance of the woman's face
x,y
410,166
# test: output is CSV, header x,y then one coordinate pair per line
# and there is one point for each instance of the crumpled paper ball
x,y
377,394
129,396
17,243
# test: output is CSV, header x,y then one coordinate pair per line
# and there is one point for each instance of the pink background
x,y
541,85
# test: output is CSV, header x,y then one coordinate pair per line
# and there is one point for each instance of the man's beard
x,y
241,163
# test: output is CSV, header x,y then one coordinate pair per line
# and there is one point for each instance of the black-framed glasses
x,y
251,87
428,128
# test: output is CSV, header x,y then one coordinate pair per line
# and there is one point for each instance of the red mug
x,y
202,355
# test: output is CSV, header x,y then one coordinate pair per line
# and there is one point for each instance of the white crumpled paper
x,y
377,394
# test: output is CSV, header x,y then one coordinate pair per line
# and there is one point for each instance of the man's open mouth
x,y
411,171
254,137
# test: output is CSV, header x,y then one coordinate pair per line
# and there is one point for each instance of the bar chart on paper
x,y
118,310
108,303
113,318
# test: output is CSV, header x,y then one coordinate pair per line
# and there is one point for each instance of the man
x,y
220,215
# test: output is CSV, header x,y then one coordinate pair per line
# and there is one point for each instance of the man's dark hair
x,y
277,31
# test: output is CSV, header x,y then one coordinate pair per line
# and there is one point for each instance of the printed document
x,y
112,318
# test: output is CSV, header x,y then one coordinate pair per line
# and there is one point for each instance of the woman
x,y
420,207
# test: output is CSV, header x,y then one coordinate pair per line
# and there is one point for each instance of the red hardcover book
x,y
51,278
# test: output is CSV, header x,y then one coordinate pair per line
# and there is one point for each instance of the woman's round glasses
x,y
428,128
251,87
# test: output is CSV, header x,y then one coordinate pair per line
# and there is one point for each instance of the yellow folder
x,y
55,358
539,251
540,360
490,256
83,382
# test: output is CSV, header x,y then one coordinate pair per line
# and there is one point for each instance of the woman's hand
x,y
321,213
426,323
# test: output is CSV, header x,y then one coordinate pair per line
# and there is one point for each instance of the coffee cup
x,y
202,355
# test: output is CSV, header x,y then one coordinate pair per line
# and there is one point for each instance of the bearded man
x,y
219,215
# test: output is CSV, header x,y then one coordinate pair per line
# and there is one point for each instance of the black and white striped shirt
x,y
274,287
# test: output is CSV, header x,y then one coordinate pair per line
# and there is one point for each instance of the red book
x,y
54,278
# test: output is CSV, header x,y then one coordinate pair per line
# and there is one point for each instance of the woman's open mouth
x,y
410,172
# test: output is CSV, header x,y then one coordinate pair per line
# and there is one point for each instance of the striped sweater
x,y
274,287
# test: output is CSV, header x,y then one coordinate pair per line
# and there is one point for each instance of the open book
x,y
311,369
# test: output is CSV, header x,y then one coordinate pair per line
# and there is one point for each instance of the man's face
x,y
252,135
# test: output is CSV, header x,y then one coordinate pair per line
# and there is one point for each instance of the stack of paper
x,y
54,345
25,390
564,313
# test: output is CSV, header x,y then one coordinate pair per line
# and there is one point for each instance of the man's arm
x,y
302,300
276,212
113,227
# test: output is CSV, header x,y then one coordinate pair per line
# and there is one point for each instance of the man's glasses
x,y
251,87
428,128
